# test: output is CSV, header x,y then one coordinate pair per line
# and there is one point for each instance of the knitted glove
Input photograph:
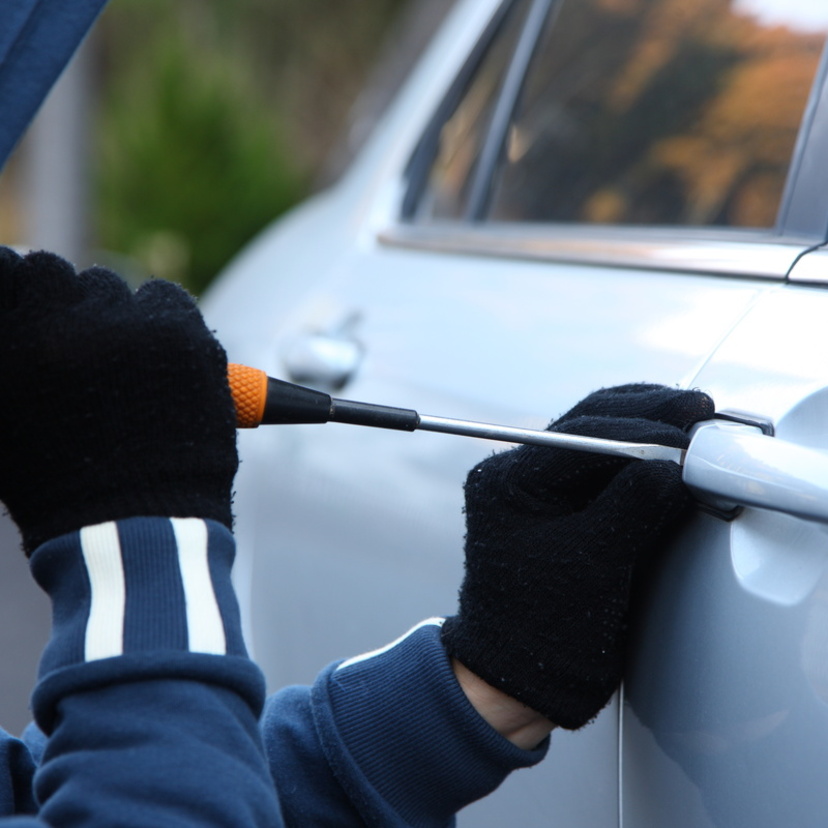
x,y
553,537
113,404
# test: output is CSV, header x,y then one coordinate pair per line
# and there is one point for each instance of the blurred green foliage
x,y
217,117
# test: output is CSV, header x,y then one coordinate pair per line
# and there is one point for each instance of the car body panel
x,y
731,709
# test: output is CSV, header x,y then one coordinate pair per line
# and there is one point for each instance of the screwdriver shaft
x,y
575,442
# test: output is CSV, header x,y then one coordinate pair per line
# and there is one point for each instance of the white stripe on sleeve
x,y
101,551
437,622
205,629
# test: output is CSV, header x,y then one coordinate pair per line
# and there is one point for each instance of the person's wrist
x,y
521,725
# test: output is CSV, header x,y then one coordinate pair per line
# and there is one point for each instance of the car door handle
x,y
731,464
325,361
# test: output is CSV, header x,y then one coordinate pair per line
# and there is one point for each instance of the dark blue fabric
x,y
155,637
389,740
153,619
222,554
156,736
164,736
59,570
17,767
37,39
404,740
309,793
160,752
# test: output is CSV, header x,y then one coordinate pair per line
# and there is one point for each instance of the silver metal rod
x,y
529,436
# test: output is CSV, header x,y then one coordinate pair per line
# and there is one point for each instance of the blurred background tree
x,y
216,117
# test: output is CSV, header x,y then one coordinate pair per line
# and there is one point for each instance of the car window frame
x,y
765,253
505,108
803,209
416,173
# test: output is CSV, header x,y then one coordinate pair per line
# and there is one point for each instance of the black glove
x,y
113,404
553,537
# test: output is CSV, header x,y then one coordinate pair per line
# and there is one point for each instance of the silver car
x,y
569,195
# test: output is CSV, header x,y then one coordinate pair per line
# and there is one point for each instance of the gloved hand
x,y
553,537
113,404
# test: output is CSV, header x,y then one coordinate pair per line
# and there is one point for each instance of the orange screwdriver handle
x,y
249,389
262,400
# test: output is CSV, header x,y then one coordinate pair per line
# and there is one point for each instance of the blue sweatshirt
x,y
150,713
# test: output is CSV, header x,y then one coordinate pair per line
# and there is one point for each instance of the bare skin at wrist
x,y
521,725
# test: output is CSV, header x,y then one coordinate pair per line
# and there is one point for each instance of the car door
x,y
553,205
725,718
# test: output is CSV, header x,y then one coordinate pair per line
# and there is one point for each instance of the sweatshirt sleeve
x,y
37,40
145,691
390,737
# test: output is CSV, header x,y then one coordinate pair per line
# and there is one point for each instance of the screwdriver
x,y
730,463
263,400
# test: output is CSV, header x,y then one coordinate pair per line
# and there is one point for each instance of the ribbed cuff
x,y
141,598
403,738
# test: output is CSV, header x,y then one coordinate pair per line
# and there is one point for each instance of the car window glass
x,y
661,112
463,132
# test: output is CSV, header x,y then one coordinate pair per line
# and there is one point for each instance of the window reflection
x,y
463,133
661,112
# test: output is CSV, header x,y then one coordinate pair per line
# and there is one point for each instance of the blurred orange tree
x,y
216,117
661,112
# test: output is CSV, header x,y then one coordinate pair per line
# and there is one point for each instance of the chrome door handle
x,y
731,464
323,361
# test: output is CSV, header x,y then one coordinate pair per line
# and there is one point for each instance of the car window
x,y
661,112
638,112
462,133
